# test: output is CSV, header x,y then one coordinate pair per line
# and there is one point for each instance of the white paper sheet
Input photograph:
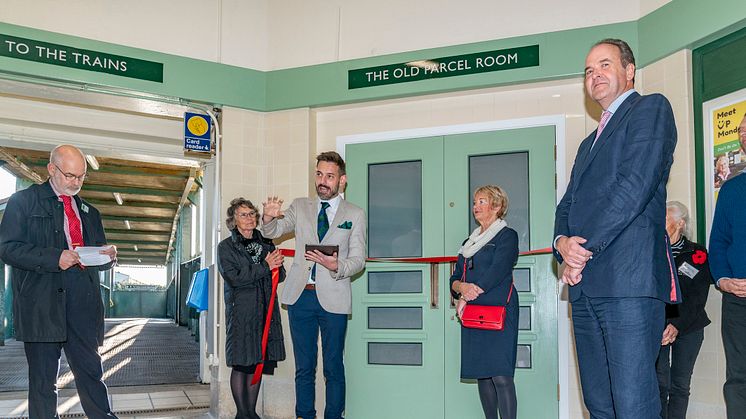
x,y
90,256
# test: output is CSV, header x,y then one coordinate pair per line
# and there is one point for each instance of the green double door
x,y
403,343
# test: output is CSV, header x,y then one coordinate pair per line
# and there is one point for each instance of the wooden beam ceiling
x,y
152,198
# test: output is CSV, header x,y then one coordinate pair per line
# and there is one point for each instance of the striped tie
x,y
322,226
602,124
322,222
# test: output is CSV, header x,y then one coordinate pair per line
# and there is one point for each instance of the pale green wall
x,y
677,25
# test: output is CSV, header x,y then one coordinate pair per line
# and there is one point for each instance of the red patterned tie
x,y
73,222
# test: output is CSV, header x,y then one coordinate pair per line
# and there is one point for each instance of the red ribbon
x,y
431,259
265,335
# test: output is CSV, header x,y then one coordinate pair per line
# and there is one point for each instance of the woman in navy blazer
x,y
484,276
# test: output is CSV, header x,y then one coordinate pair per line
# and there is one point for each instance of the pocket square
x,y
347,225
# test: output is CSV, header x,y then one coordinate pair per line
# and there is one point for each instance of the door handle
x,y
434,284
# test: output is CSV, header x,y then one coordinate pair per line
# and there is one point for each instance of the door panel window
x,y
395,209
522,279
397,282
510,172
524,318
397,353
394,317
523,357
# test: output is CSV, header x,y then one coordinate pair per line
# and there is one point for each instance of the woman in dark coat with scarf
x,y
246,260
484,276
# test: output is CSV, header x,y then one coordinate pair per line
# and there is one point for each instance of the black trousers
x,y
81,350
734,343
674,367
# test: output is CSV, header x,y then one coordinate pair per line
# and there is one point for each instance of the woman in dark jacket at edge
x,y
685,322
488,256
246,260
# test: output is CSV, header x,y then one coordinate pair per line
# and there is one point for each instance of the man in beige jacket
x,y
317,289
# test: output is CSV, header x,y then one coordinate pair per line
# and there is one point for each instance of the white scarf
x,y
476,240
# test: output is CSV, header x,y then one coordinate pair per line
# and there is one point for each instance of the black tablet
x,y
328,250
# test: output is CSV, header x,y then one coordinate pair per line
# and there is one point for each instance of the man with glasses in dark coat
x,y
56,299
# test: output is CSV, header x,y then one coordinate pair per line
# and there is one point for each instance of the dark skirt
x,y
269,368
490,353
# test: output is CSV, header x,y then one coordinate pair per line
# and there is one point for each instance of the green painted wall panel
x,y
197,80
687,24
724,68
678,24
561,55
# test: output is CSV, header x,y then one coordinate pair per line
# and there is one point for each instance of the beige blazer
x,y
347,230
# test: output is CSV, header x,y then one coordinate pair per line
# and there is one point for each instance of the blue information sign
x,y
197,132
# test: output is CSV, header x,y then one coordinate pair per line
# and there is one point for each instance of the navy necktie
x,y
322,222
322,226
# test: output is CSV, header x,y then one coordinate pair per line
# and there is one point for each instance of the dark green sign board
x,y
84,59
435,68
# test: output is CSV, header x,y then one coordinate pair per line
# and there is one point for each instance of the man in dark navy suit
x,y
610,237
56,300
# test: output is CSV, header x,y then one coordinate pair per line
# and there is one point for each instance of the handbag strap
x,y
463,279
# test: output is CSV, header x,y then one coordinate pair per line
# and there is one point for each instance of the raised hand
x,y
271,208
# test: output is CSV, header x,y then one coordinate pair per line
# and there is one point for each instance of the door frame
x,y
558,121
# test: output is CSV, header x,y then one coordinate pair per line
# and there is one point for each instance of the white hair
x,y
679,212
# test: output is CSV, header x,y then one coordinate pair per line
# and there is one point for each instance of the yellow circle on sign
x,y
197,125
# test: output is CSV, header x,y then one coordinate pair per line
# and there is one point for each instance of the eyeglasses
x,y
251,214
70,176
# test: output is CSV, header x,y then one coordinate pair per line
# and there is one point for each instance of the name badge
x,y
688,270
84,207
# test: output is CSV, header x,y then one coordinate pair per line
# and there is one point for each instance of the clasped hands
x,y
274,259
575,257
735,286
468,293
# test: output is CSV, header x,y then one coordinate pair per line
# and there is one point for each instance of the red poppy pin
x,y
699,257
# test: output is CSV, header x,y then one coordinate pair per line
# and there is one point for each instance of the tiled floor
x,y
139,355
136,352
168,401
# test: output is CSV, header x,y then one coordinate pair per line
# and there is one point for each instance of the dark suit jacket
x,y
616,199
32,238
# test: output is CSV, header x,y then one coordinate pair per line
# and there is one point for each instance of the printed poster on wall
x,y
725,151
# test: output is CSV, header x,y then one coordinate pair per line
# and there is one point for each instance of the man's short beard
x,y
332,193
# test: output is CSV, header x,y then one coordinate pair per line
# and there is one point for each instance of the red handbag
x,y
484,317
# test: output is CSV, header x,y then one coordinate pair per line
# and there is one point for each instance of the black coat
x,y
32,238
247,291
690,315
